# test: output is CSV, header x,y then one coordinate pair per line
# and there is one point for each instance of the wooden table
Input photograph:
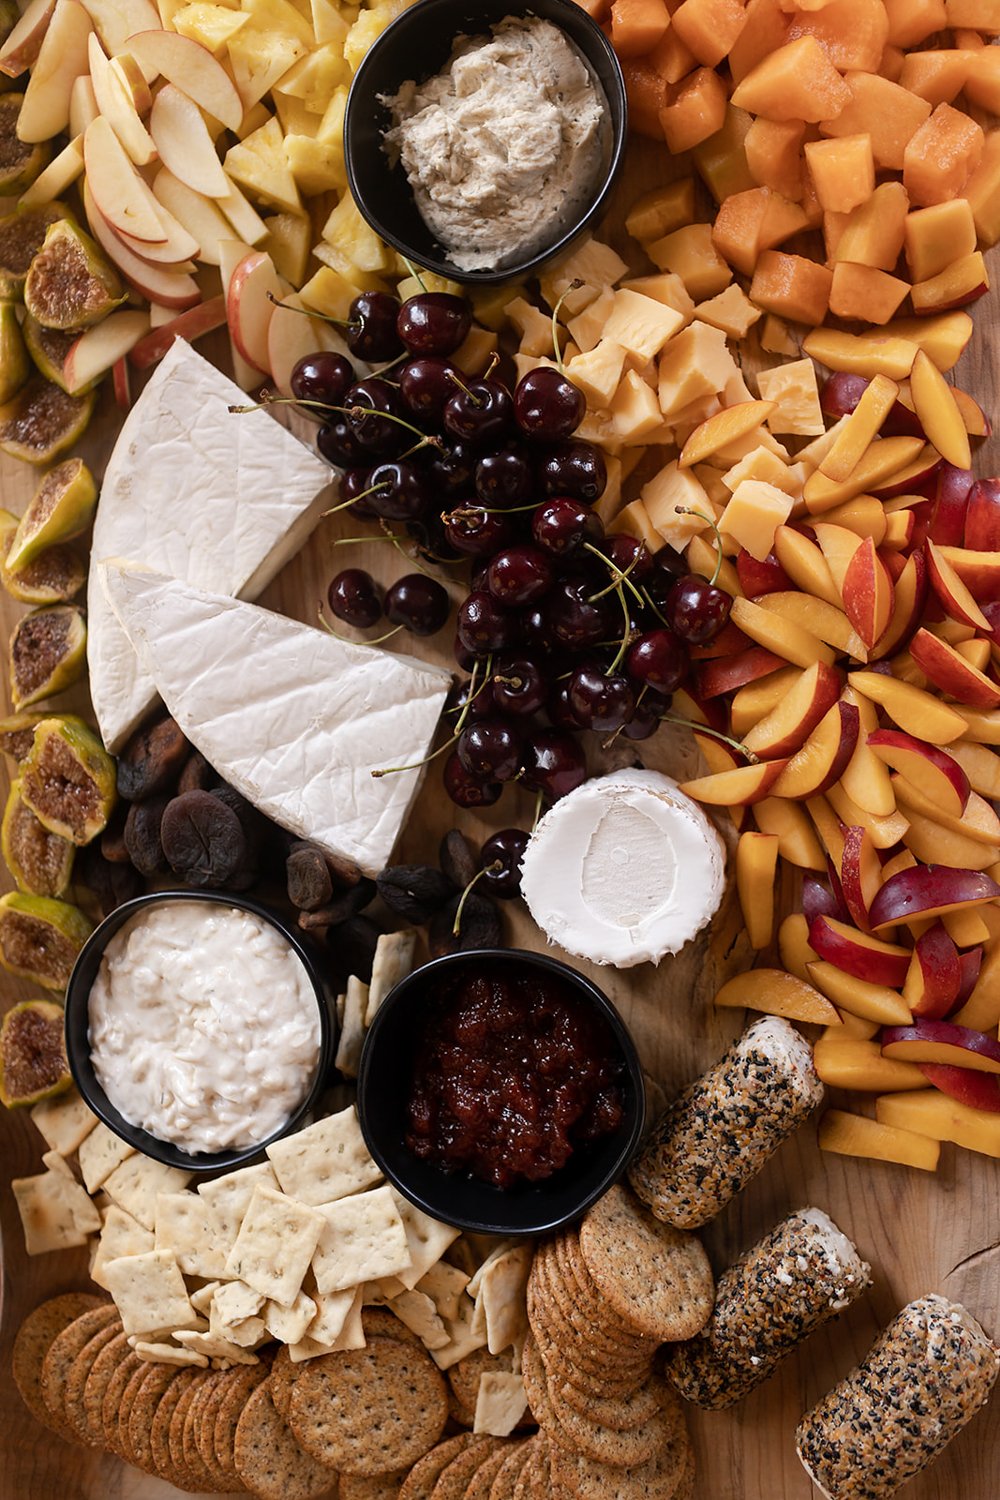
x,y
921,1233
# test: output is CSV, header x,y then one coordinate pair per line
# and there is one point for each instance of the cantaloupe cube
x,y
764,31
774,155
634,521
753,515
863,293
873,234
983,192
978,15
691,255
647,91
637,26
697,111
791,286
794,388
941,1118
587,328
941,156
640,324
892,62
982,81
666,495
665,287
851,1063
731,310
696,363
749,223
856,1135
876,107
671,59
722,159
842,171
798,82
937,76
598,372
937,236
912,21
662,210
853,33
708,28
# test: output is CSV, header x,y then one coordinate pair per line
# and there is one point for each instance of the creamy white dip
x,y
204,1026
503,147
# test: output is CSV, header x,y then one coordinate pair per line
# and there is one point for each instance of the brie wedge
x,y
624,870
198,493
293,718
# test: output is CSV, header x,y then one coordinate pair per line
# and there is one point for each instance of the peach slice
x,y
786,728
909,597
719,758
938,412
930,891
885,829
980,764
860,874
819,618
777,994
726,427
950,671
962,282
952,490
824,756
758,577
750,703
977,423
838,545
978,821
913,478
932,1113
933,1041
942,338
981,1007
864,515
883,463
937,774
725,674
868,593
974,575
865,779
855,1064
805,565
934,974
982,517
913,710
856,1135
779,636
797,842
873,1002
756,865
967,1085
740,787
982,725
859,953
935,844
831,832
869,355
794,948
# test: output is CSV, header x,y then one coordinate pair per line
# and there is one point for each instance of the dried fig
x,y
203,839
152,760
70,282
55,576
41,421
47,653
48,348
69,780
33,1062
352,946
17,734
413,892
308,878
61,508
40,861
197,775
112,844
480,926
22,235
110,884
15,366
40,939
20,162
143,837
458,859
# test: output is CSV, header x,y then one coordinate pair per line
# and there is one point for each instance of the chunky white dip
x,y
204,1027
502,148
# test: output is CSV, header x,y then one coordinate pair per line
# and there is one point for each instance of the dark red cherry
x,y
696,610
434,323
547,405
371,330
480,412
504,478
420,604
425,387
561,525
353,483
519,684
490,749
476,532
354,598
659,659
598,701
576,469
400,491
575,619
506,849
483,623
554,763
452,472
520,575
629,555
373,409
323,376
466,790
339,445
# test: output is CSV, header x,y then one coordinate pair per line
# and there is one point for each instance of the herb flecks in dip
x,y
513,1074
204,1026
503,147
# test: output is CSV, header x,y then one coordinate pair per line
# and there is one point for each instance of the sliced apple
x,y
791,826
794,949
776,993
155,283
60,174
928,1041
858,1065
724,675
291,336
120,194
115,20
249,305
190,325
98,348
115,103
823,758
856,1135
191,68
860,874
913,710
934,974
805,565
930,891
195,213
62,58
932,1113
935,773
859,953
185,146
133,81
121,385
178,249
743,786
938,412
873,1002
82,106
867,593
969,1086
724,429
24,42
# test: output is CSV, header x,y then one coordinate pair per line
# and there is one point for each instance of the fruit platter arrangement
x,y
500,582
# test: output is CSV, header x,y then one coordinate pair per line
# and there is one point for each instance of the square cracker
x,y
135,1184
326,1161
363,1238
289,1324
149,1292
215,1347
121,1235
100,1152
444,1284
201,1300
427,1238
56,1213
332,1312
464,1337
233,1302
168,1354
275,1245
393,961
503,1281
229,1196
421,1317
188,1226
56,1163
64,1121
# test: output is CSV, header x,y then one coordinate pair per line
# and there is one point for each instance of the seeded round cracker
x,y
130,1395
193,1477
561,1361
380,1322
110,1418
465,1374
568,1346
370,1487
567,1307
526,1479
269,1461
35,1338
620,1412
208,1476
97,1380
152,1381
159,1437
243,1381
371,1410
76,1380
424,1474
685,1485
208,1411
540,1485
657,1479
454,1479
610,1445
582,1287
58,1362
284,1373
509,1472
654,1275
481,1483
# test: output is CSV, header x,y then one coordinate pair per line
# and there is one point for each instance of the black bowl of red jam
x,y
500,1091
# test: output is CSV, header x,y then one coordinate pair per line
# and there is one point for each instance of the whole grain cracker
x,y
481,1483
371,1486
558,1360
243,1381
208,1476
134,1453
269,1461
97,1380
424,1474
455,1478
371,1410
509,1472
569,1347
657,1479
526,1479
58,1362
283,1376
624,1448
620,1412
36,1336
153,1382
560,1310
159,1435
193,1478
582,1288
654,1275
381,1322
208,1411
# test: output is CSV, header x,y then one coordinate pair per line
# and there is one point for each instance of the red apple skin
x,y
969,963
189,325
121,384
757,578
898,739
726,674
903,1041
941,974
818,900
864,963
977,1090
926,888
951,503
921,483
982,519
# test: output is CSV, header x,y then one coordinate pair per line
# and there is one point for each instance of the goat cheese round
x,y
204,1025
624,870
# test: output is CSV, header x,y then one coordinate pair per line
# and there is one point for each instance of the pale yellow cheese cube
x,y
736,389
794,388
587,328
731,310
666,495
691,254
724,458
591,262
664,287
598,372
427,281
762,464
610,503
635,521
776,337
598,426
695,363
635,411
534,328
491,302
640,324
754,514
474,354
714,483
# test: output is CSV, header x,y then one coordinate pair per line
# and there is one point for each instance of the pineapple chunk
x,y
598,373
640,324
211,25
368,27
294,117
317,166
794,388
328,24
330,293
635,411
258,163
694,364
427,281
351,236
289,238
315,76
331,126
259,59
731,310
476,350
668,493
754,514
534,327
491,302
281,17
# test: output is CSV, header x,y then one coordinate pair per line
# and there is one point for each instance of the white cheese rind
x,y
624,870
294,718
199,493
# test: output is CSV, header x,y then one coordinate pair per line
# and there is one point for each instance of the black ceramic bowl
x,y
78,1046
416,46
384,1082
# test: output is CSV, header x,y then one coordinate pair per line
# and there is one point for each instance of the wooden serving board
x,y
921,1233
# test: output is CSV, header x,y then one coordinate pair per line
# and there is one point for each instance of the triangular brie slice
x,y
294,718
198,493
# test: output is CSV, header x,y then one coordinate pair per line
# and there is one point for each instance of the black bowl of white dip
x,y
198,1027
482,136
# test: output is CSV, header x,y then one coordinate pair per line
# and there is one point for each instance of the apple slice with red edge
x,y
190,325
186,149
249,305
859,953
155,283
97,349
23,44
929,1041
934,974
121,195
982,518
931,770
825,755
121,384
930,891
191,68
953,673
860,874
970,1087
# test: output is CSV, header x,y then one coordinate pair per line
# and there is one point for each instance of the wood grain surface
x,y
921,1233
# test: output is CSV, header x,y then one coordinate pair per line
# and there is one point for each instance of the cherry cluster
x,y
565,628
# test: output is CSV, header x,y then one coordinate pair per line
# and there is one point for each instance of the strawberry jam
x,y
513,1073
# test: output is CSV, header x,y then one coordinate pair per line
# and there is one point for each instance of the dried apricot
x,y
143,837
203,839
152,760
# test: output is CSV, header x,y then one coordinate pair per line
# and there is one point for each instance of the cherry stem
x,y
351,642
716,734
426,439
463,711
475,400
686,510
344,504
538,812
623,647
397,542
648,601
617,575
415,273
306,312
493,868
573,286
494,361
394,770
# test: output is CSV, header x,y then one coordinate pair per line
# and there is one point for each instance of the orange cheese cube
x,y
662,210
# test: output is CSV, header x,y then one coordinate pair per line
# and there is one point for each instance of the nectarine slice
x,y
824,756
930,891
938,412
724,428
868,593
806,566
971,1088
910,593
882,464
955,596
976,821
868,354
778,994
856,1135
794,948
865,779
933,1114
913,710
982,725
785,639
980,764
756,865
745,785
981,1010
786,728
862,426
952,672
930,1041
934,974
885,829
874,1002
860,875
935,773
859,953
860,1066
819,618
936,844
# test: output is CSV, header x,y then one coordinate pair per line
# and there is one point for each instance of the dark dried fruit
x,y
46,653
17,734
33,1062
40,862
255,830
152,760
69,779
343,872
20,161
308,878
340,909
197,775
352,946
113,838
458,859
481,926
142,835
22,235
203,840
70,282
413,892
42,421
41,939
110,884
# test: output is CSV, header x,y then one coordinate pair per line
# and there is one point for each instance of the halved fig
x,y
40,939
68,780
46,653
48,348
22,235
55,576
70,282
20,163
33,1062
40,861
61,508
17,734
15,366
42,421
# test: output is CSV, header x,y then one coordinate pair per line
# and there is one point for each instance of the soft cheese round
x,y
624,870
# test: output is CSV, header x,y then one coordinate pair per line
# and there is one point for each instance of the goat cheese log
x,y
923,1378
721,1130
779,1292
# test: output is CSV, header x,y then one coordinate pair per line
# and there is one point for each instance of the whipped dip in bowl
x,y
482,137
198,1027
